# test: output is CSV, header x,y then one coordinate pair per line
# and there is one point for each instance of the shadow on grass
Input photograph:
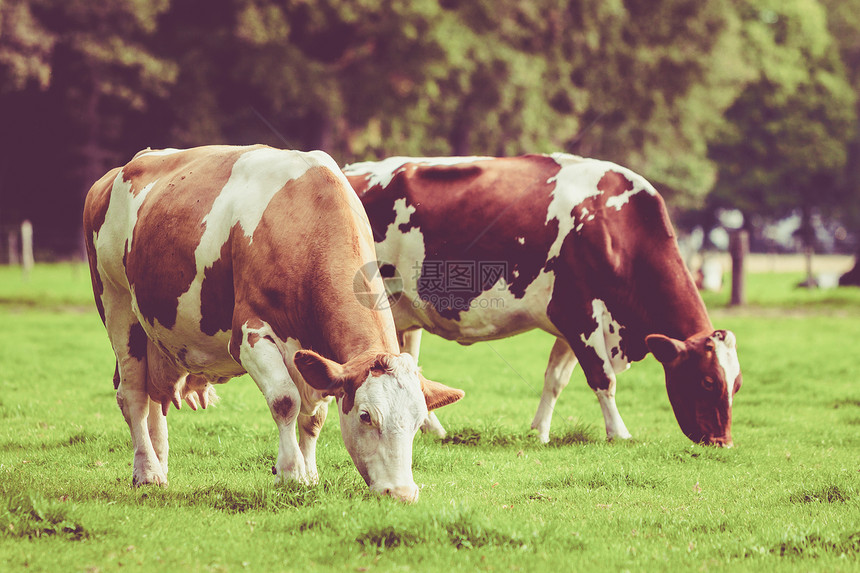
x,y
462,529
271,498
830,493
494,437
809,546
31,515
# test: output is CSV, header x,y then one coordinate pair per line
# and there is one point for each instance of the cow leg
x,y
262,359
410,341
615,427
129,343
309,431
562,361
134,402
598,351
157,424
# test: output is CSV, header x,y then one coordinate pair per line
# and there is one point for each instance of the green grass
x,y
786,498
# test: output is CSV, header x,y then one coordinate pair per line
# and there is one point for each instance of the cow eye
x,y
708,383
365,418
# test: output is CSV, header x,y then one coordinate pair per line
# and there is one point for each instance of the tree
x,y
782,148
845,27
92,79
25,47
650,81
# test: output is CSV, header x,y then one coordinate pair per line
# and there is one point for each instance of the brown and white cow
x,y
215,261
484,248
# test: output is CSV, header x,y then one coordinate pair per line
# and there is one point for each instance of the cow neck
x,y
347,328
671,304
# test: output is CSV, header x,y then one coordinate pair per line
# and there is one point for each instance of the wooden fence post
x,y
739,242
12,247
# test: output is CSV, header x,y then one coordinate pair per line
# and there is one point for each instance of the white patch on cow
x,y
521,240
619,201
727,358
382,450
402,212
256,177
405,251
157,152
615,427
576,181
605,340
382,172
118,226
494,313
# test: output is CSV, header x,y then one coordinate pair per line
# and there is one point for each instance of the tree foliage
x,y
783,146
749,96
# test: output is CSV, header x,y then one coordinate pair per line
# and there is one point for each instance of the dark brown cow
x,y
485,248
211,262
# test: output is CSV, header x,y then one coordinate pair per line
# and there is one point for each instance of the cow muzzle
x,y
404,493
719,441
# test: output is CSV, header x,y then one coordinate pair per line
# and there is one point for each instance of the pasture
x,y
786,498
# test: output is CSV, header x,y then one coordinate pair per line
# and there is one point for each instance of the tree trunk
x,y
458,138
93,155
738,246
807,236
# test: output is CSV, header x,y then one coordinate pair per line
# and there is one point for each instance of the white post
x,y
27,248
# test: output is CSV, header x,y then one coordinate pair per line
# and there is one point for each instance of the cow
x,y
212,262
482,248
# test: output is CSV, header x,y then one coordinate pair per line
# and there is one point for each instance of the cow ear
x,y
437,395
665,349
319,372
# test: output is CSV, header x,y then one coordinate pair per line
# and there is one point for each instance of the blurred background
x,y
743,113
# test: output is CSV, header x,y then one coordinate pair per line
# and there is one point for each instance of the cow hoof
x,y
287,477
152,479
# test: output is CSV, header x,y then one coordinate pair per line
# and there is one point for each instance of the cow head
x,y
702,376
382,400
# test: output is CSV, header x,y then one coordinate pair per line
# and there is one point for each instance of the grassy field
x,y
786,498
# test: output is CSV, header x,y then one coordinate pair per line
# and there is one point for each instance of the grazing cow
x,y
479,248
215,261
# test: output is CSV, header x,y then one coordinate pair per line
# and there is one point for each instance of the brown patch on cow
x,y
161,264
629,259
96,279
381,365
98,200
284,408
312,425
216,293
137,341
254,323
347,403
254,338
614,183
311,219
116,376
234,347
496,202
